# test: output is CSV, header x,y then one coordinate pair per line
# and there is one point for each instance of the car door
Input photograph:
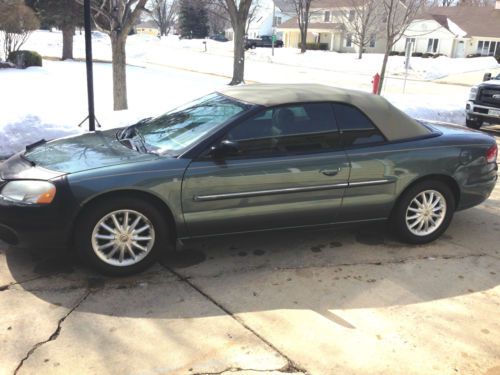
x,y
371,191
289,171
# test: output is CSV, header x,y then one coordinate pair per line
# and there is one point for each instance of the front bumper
x,y
37,226
473,110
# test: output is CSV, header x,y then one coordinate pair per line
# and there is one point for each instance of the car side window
x,y
356,127
299,128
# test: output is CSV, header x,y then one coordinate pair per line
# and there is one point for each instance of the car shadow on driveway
x,y
319,270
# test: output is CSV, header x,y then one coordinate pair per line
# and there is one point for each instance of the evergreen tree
x,y
193,19
63,14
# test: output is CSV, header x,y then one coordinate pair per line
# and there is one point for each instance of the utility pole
x,y
273,38
88,60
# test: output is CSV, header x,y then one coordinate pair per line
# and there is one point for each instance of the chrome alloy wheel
x,y
426,212
123,238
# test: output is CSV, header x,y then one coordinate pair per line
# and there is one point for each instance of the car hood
x,y
78,153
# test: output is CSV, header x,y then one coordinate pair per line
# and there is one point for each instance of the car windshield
x,y
182,127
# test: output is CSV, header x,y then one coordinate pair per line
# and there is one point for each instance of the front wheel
x,y
424,212
121,236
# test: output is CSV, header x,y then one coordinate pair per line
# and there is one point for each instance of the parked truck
x,y
263,41
484,103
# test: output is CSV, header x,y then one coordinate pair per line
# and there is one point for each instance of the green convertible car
x,y
247,158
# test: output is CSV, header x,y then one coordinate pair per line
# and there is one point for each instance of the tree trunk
x,y
67,49
360,53
382,72
239,54
119,71
303,41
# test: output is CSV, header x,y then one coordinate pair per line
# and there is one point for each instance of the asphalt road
x,y
338,301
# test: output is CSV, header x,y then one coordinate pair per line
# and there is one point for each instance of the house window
x,y
488,48
351,15
348,40
372,40
410,41
432,45
327,16
277,21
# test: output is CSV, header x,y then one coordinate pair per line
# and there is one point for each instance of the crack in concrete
x,y
8,286
54,334
284,370
290,367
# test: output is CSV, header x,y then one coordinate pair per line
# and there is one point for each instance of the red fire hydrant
x,y
376,83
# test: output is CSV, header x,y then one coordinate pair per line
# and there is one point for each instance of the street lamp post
x,y
273,38
88,60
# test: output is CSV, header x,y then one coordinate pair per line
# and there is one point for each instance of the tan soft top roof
x,y
390,120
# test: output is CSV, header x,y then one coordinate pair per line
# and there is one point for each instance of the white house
x,y
262,20
455,31
330,22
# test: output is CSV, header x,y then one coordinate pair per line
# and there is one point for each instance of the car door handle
x,y
330,172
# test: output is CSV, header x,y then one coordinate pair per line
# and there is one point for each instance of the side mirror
x,y
486,77
225,148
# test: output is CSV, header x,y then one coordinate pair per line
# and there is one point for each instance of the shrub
x,y
17,21
438,55
403,53
427,55
472,55
417,54
394,53
6,65
25,59
498,58
317,46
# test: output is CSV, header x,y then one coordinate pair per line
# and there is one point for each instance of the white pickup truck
x,y
484,103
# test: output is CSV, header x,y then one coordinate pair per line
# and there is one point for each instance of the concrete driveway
x,y
338,301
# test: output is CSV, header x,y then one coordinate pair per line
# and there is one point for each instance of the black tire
x,y
399,215
95,212
473,124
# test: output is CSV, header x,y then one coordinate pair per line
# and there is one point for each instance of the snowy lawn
x,y
142,49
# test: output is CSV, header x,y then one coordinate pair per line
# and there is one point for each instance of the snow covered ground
x,y
49,102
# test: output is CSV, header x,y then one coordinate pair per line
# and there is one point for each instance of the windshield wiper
x,y
131,133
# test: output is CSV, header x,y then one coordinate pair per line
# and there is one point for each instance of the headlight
x,y
30,192
473,93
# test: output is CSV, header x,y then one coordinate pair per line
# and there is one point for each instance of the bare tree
x,y
218,19
163,13
238,11
399,16
302,10
252,14
116,18
363,20
17,22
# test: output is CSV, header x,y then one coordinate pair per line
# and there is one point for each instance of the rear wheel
x,y
424,212
473,124
121,236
